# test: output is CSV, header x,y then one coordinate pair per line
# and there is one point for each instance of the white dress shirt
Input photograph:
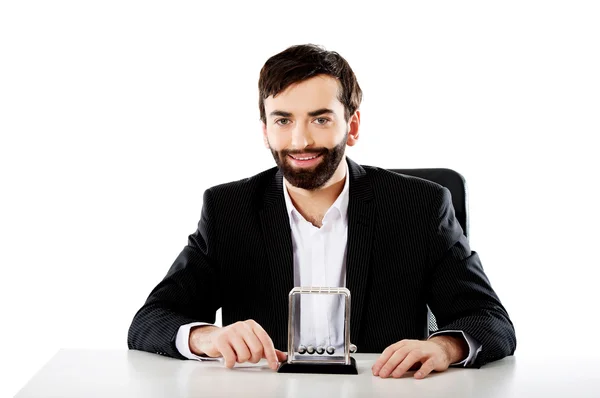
x,y
320,261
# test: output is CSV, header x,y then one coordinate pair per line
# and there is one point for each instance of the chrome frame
x,y
319,290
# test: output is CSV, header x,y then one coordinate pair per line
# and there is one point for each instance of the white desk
x,y
122,373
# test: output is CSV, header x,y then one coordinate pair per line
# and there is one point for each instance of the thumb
x,y
281,356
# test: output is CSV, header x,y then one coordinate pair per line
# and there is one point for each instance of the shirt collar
x,y
340,204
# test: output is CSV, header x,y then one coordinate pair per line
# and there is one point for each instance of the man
x,y
319,219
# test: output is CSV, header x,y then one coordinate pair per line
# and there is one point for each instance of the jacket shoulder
x,y
385,181
244,191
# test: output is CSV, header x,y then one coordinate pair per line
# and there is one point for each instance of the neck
x,y
313,204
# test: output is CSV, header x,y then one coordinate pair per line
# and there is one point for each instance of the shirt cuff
x,y
182,342
474,346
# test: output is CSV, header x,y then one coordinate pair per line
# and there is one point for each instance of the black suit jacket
x,y
405,251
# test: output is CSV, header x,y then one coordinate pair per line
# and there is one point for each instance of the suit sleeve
x,y
459,293
188,293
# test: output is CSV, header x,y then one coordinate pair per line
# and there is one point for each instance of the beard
x,y
311,178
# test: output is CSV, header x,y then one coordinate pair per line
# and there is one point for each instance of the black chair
x,y
457,186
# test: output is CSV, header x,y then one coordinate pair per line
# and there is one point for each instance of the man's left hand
x,y
436,354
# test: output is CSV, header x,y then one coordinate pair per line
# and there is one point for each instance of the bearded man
x,y
320,219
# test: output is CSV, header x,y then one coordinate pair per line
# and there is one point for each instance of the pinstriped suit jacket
x,y
405,251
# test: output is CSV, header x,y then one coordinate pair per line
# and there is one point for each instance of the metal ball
x,y
301,349
352,348
331,350
310,349
320,350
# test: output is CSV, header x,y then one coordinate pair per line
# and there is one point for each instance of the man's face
x,y
306,131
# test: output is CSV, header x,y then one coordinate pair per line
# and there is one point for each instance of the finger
x,y
281,356
426,368
226,351
393,362
385,356
255,346
238,344
267,344
412,358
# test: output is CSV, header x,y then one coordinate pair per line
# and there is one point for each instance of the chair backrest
x,y
455,183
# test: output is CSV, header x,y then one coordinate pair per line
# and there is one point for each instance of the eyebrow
x,y
318,112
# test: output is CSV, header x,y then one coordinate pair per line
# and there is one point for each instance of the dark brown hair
x,y
301,62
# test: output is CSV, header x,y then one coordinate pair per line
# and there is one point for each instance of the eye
x,y
322,120
283,122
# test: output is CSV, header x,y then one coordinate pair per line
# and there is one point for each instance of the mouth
x,y
305,159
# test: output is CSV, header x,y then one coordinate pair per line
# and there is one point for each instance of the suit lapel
x,y
278,243
360,237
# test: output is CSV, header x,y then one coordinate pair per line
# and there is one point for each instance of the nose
x,y
301,137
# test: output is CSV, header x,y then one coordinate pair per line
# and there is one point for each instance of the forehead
x,y
315,93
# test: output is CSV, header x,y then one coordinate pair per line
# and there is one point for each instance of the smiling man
x,y
320,219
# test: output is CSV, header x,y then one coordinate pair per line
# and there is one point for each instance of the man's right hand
x,y
239,342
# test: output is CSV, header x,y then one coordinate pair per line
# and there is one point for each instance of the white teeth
x,y
306,158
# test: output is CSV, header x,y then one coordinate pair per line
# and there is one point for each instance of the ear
x,y
265,139
353,127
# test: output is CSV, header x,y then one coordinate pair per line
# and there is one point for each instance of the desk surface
x,y
123,373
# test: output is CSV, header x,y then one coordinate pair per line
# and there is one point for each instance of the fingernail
x,y
418,374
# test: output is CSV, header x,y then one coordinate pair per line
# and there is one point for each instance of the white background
x,y
115,116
